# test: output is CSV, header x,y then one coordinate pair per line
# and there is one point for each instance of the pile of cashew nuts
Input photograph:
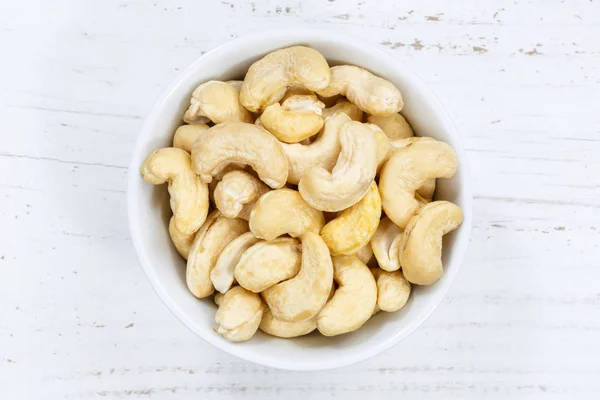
x,y
302,196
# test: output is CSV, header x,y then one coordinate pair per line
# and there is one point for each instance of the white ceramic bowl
x,y
149,206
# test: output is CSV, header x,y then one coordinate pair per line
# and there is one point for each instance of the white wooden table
x,y
78,319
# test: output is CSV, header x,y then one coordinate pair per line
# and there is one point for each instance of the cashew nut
x,y
354,227
281,329
385,245
222,274
283,211
236,193
268,78
420,250
298,118
182,241
302,297
217,101
350,178
384,148
243,143
369,92
239,314
407,170
236,84
322,152
268,263
294,91
185,136
216,233
354,300
393,289
346,107
394,126
189,195
365,255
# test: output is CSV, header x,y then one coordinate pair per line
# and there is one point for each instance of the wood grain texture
x,y
521,80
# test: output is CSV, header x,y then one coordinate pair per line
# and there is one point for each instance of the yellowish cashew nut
x,y
217,101
298,118
302,297
393,289
239,314
354,227
268,263
370,93
281,329
182,241
352,175
385,245
211,239
268,78
407,170
189,195
354,300
284,211
185,136
420,250
242,143
322,152
236,193
427,190
394,126
347,108
222,274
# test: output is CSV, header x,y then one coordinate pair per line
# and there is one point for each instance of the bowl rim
x,y
302,35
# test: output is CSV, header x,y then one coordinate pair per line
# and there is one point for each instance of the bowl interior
x,y
150,213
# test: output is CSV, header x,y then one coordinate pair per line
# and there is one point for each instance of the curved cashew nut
x,y
189,195
243,143
384,148
322,152
185,136
268,78
302,297
283,211
268,263
369,92
385,245
281,329
350,178
236,193
239,314
393,289
298,118
354,227
217,101
407,170
222,274
427,190
354,300
182,241
347,108
420,250
394,126
216,233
